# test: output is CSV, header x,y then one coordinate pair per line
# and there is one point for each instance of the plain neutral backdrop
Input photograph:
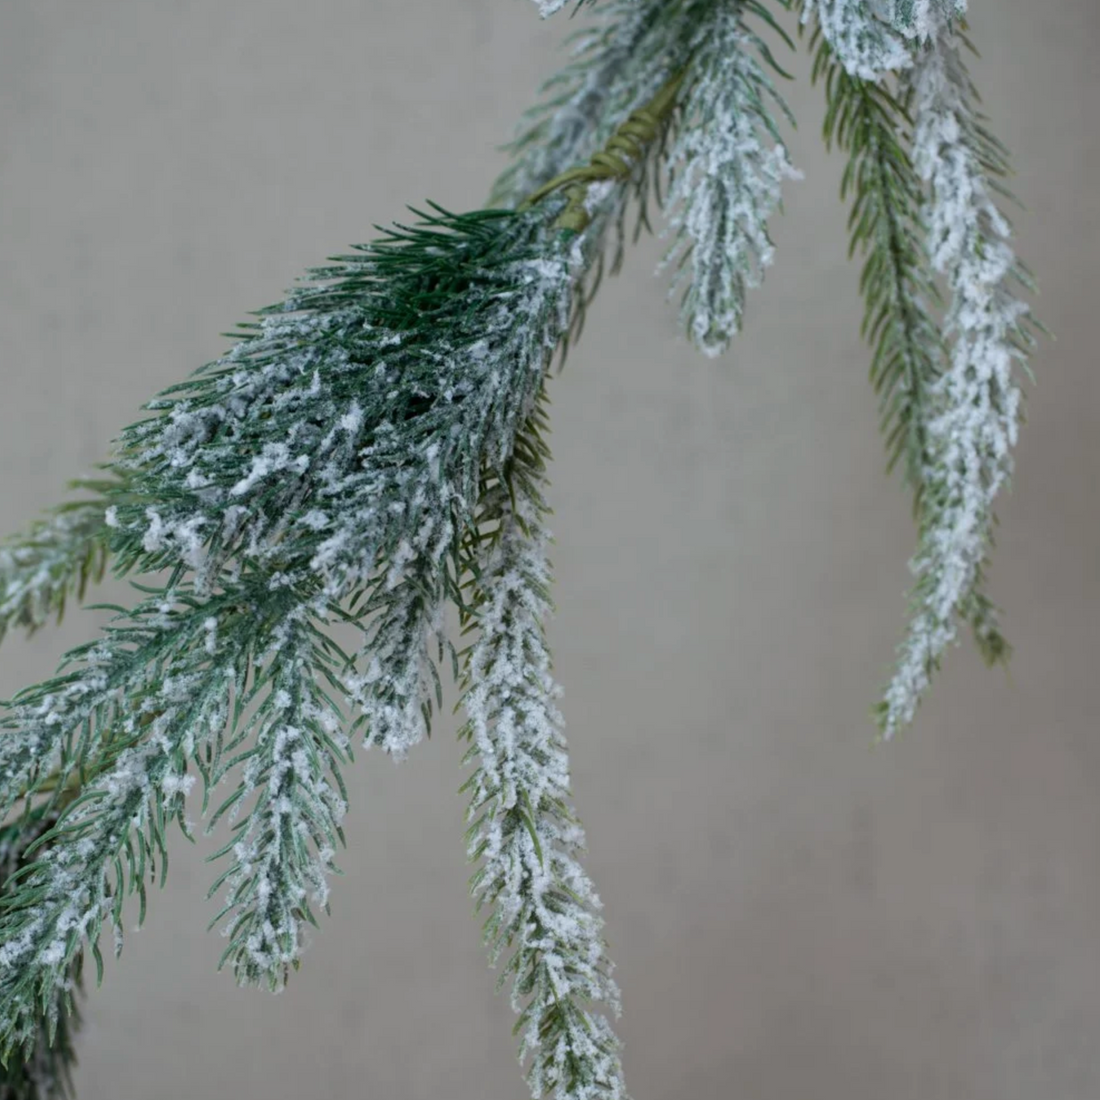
x,y
794,912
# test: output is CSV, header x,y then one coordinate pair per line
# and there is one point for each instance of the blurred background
x,y
794,912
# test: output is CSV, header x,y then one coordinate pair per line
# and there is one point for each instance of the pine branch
x,y
727,167
978,402
53,562
329,464
523,830
371,449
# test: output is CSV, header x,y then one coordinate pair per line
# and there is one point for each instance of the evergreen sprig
x,y
523,830
46,1072
54,561
866,120
727,167
977,400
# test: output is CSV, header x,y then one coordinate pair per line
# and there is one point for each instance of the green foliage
x,y
868,122
45,1072
523,831
54,561
372,449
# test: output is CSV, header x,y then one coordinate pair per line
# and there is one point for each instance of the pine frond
x,y
978,402
523,830
53,562
726,166
284,844
399,619
866,120
46,1072
109,744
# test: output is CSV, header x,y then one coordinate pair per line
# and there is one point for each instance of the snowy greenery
x,y
46,1073
727,164
976,403
372,450
523,830
53,562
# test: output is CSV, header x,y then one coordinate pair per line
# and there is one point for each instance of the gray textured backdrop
x,y
793,913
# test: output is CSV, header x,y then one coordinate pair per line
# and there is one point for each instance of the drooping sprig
x,y
284,843
866,120
543,913
727,167
978,401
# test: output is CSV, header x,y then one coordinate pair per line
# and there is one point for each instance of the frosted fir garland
x,y
342,461
728,165
524,831
977,400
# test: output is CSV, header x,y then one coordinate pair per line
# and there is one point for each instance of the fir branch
x,y
54,561
523,831
46,1072
329,464
866,120
978,401
727,166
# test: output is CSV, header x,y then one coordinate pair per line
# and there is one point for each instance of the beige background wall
x,y
794,913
